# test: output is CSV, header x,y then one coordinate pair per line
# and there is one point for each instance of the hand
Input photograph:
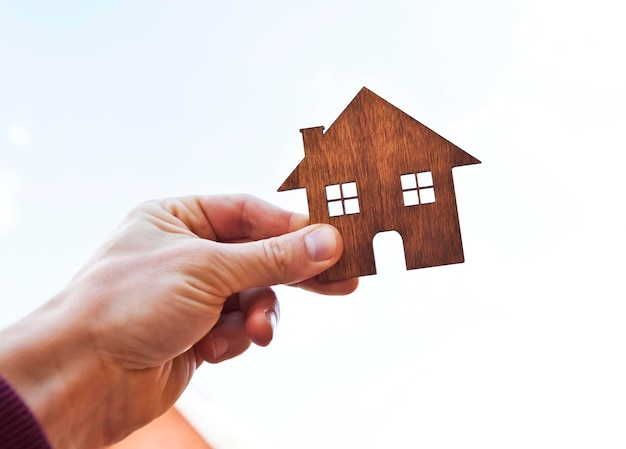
x,y
180,282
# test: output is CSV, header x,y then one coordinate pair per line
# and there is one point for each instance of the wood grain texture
x,y
372,143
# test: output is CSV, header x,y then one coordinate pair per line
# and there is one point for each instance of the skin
x,y
180,282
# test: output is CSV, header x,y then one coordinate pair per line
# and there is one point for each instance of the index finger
x,y
233,218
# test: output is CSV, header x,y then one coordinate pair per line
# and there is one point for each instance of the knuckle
x,y
278,255
143,208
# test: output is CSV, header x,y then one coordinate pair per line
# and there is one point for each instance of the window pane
x,y
425,179
333,192
349,189
334,208
408,181
427,195
352,206
410,198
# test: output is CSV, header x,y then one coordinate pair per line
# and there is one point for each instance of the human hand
x,y
180,281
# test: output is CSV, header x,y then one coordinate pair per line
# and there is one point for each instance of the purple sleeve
x,y
18,427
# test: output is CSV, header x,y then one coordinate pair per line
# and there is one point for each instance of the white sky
x,y
524,345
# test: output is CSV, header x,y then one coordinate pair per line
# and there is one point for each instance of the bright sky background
x,y
524,345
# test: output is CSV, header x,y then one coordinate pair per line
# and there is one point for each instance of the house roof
x,y
368,126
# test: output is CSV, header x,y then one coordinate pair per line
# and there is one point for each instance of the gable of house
x,y
377,143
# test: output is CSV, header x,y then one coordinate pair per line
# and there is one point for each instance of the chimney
x,y
312,138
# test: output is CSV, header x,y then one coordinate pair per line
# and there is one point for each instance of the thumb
x,y
286,259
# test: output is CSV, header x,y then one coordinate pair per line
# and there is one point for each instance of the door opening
x,y
389,252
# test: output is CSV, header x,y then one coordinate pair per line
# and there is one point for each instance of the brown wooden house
x,y
378,169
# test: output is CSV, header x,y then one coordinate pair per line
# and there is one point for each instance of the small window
x,y
417,188
342,199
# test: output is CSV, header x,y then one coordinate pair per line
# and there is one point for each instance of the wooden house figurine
x,y
378,169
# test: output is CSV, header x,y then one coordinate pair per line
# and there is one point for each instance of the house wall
x,y
430,232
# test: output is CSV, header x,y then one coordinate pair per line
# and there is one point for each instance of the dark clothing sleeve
x,y
19,428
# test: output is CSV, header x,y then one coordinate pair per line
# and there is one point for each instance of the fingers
x,y
261,312
231,218
344,287
261,308
225,341
252,317
286,259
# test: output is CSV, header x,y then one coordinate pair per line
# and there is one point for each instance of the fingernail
x,y
220,346
272,318
321,244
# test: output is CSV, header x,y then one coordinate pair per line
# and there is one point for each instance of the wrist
x,y
50,360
